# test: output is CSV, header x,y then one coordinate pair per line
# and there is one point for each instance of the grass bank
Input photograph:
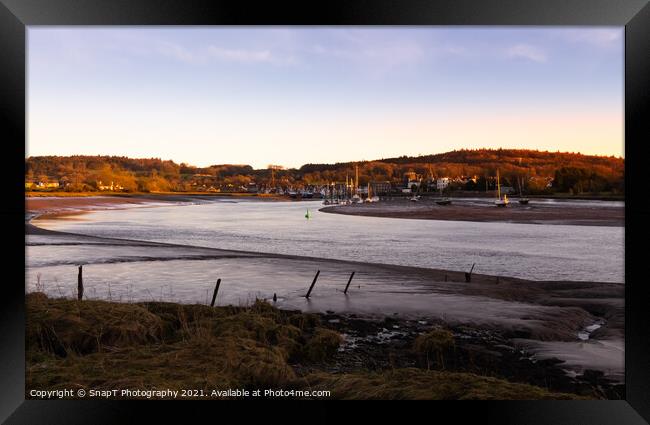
x,y
154,345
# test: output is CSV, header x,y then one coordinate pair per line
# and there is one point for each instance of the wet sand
x,y
55,203
540,318
534,213
86,203
71,205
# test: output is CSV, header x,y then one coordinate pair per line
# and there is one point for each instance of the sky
x,y
297,95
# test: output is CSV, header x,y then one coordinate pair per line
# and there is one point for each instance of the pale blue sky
x,y
293,95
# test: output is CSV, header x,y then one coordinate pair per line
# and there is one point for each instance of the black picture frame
x,y
16,15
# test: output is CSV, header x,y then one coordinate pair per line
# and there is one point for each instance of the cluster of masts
x,y
348,194
503,202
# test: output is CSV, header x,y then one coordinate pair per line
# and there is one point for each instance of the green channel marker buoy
x,y
308,215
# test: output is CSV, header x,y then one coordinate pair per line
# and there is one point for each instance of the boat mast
x,y
356,179
498,185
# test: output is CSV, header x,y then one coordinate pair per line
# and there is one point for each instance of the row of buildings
x,y
411,182
41,185
62,184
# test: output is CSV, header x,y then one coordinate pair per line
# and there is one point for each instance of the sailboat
x,y
374,198
522,200
443,199
356,199
329,192
370,198
345,200
500,202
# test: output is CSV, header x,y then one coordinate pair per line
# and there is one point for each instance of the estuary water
x,y
529,251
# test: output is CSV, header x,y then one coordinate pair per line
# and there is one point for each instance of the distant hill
x,y
568,171
486,161
572,172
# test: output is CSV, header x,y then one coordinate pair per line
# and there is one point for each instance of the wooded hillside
x,y
569,172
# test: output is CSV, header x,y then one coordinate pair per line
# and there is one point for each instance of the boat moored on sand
x,y
501,202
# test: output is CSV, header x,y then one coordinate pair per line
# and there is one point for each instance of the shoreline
x,y
461,194
554,196
54,206
466,210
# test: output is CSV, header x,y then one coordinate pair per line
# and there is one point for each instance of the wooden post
x,y
214,294
312,284
468,276
80,284
348,285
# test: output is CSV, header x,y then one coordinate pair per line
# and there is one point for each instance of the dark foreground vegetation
x,y
155,345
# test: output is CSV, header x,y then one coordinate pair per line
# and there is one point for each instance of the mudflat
x,y
535,212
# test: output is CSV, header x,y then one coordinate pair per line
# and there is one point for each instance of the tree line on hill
x,y
540,172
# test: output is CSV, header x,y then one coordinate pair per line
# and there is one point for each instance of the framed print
x,y
245,205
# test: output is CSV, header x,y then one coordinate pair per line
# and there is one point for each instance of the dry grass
x,y
322,345
434,345
108,345
65,327
105,345
419,384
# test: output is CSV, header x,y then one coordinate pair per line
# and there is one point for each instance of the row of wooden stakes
x,y
275,297
80,285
